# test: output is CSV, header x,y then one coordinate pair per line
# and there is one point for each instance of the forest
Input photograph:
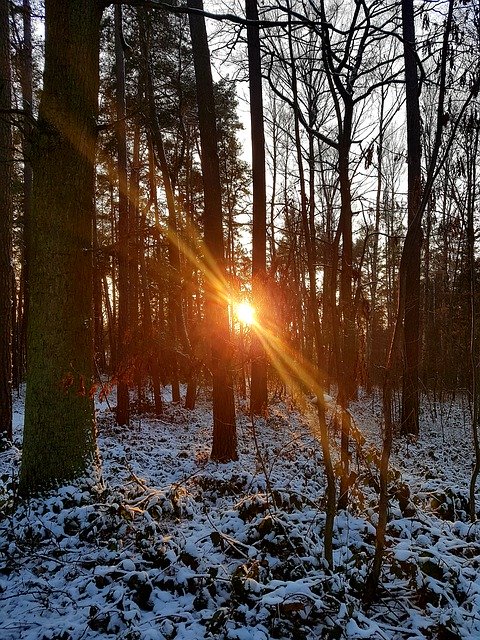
x,y
239,319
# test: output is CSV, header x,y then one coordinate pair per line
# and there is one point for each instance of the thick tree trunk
x,y
410,393
258,390
59,434
6,266
224,428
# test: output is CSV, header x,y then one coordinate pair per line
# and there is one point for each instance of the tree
x,y
59,434
224,427
410,397
472,139
123,404
175,320
26,82
258,399
6,268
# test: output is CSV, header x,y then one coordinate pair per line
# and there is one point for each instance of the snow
x,y
171,545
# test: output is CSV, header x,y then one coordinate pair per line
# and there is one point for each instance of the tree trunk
x,y
6,221
59,434
472,158
313,312
258,389
224,428
410,393
372,320
346,355
99,343
123,403
26,82
133,257
174,301
191,280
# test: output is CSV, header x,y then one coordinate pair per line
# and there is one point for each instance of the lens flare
x,y
245,312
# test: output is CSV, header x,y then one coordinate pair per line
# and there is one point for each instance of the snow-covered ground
x,y
170,545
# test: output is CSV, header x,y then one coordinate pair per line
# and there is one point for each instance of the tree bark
x,y
472,156
26,83
224,427
411,322
6,221
123,403
59,434
258,390
133,256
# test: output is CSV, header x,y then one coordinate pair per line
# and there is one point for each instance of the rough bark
x,y
59,434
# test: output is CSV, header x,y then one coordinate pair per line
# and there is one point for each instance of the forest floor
x,y
171,545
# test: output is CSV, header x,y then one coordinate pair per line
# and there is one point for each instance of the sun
x,y
245,312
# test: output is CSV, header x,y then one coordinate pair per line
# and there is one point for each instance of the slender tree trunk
x,y
99,343
410,392
133,254
111,295
258,389
194,365
123,403
313,308
224,428
472,154
59,433
110,320
372,323
346,355
154,352
274,146
6,221
153,362
346,277
26,82
174,291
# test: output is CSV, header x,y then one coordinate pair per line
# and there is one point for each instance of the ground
x,y
167,544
